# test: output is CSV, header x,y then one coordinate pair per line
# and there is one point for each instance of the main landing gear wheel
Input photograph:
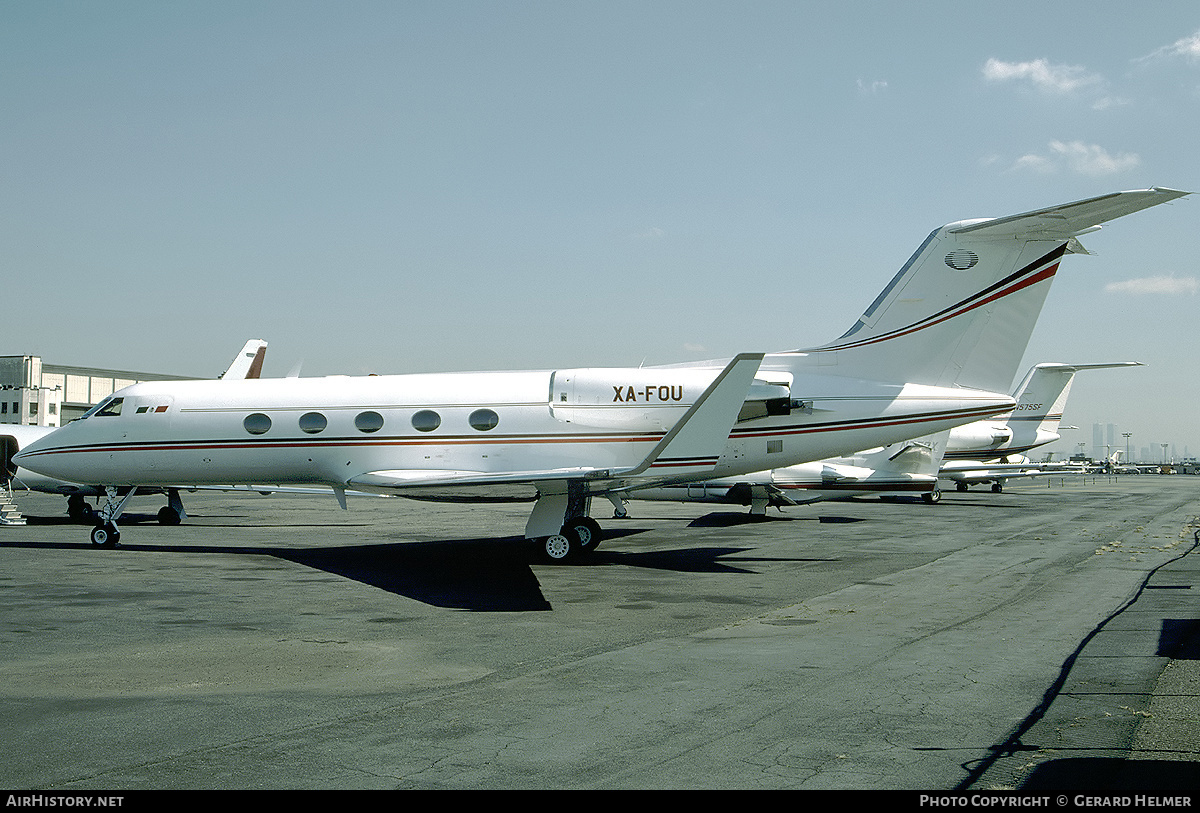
x,y
79,510
997,488
932,497
586,531
580,535
105,535
557,548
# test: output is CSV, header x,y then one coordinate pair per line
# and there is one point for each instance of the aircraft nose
x,y
28,455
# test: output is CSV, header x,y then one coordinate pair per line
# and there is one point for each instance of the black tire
x,y
79,510
105,535
932,497
585,533
168,516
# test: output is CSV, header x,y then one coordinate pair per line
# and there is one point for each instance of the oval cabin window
x,y
313,422
368,422
483,420
257,424
426,420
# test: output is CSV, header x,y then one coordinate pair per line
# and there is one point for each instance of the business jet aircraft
x,y
986,451
902,469
933,351
246,364
1113,465
992,451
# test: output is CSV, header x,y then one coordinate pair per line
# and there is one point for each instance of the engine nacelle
x,y
633,398
642,399
979,436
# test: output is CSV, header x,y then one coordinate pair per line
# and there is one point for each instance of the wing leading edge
x,y
692,446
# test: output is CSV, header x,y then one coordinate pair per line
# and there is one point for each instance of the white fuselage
x,y
992,440
329,430
23,478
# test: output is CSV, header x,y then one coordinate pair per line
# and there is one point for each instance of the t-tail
x,y
961,311
1042,397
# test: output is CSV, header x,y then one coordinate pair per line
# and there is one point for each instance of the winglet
x,y
695,443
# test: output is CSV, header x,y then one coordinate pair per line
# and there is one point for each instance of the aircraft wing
x,y
1069,219
961,472
397,479
265,490
693,446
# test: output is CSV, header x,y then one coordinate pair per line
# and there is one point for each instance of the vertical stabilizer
x,y
247,363
962,309
1042,397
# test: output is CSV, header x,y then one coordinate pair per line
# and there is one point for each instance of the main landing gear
x,y
579,535
997,486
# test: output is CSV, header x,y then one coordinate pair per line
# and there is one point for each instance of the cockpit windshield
x,y
108,408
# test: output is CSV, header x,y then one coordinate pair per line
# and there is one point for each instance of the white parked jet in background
x,y
933,351
246,364
1113,465
992,451
902,469
987,451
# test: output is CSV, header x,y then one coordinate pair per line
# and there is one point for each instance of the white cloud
x,y
1076,156
871,87
1036,163
1154,285
1092,159
1109,102
1187,47
1042,74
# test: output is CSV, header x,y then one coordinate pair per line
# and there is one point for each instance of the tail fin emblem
x,y
961,259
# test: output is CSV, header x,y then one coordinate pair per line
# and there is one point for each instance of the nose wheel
x,y
105,535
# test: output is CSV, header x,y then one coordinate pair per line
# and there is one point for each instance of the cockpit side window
x,y
108,408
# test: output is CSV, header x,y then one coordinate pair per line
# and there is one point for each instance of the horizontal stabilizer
x,y
1069,219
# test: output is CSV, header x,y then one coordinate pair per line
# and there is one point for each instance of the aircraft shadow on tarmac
x,y
479,575
728,519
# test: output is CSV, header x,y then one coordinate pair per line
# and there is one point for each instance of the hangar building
x,y
34,393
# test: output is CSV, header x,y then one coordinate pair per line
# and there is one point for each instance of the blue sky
x,y
412,186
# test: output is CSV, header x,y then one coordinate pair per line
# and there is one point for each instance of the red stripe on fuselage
x,y
774,432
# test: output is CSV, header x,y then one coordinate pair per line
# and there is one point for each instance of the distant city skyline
x,y
1110,437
